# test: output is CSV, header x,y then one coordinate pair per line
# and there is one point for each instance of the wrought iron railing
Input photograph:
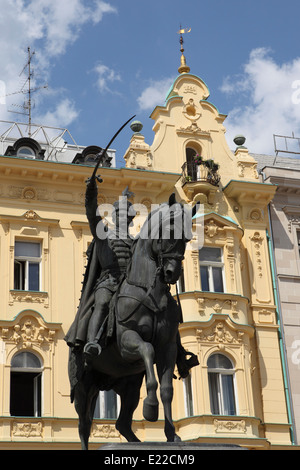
x,y
206,172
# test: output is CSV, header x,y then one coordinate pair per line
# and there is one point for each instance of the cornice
x,y
67,174
250,192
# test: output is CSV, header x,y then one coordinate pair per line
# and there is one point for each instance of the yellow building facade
x,y
238,393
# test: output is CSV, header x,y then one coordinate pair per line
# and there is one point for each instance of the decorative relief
x,y
230,426
27,296
27,429
28,332
220,334
211,229
190,89
105,431
29,193
256,215
247,169
32,193
31,215
265,316
257,241
194,130
227,306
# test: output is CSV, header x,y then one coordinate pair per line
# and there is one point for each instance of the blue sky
x,y
107,60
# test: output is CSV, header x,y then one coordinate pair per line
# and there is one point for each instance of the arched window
x,y
26,152
190,163
26,385
221,385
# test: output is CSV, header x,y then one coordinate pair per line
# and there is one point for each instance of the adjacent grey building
x,y
284,213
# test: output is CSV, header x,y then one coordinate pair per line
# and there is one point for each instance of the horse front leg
x,y
165,368
132,348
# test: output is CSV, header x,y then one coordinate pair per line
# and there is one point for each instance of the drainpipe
x,y
281,342
281,338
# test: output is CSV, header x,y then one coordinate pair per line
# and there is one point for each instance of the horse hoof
x,y
150,411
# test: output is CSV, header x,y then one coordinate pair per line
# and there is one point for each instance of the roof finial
x,y
183,67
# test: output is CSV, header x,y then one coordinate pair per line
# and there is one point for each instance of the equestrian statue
x,y
127,319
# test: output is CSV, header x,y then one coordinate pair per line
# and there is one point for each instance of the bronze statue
x,y
127,319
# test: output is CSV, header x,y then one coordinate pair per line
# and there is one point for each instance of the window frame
x,y
36,374
101,406
30,155
219,373
24,261
210,265
188,396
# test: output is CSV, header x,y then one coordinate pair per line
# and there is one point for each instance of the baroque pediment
x,y
28,329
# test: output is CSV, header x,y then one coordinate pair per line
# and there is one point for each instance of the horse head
x,y
168,229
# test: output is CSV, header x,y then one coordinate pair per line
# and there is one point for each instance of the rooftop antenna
x,y
27,106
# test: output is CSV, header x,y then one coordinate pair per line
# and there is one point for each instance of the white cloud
x,y
271,92
62,116
48,27
154,94
106,77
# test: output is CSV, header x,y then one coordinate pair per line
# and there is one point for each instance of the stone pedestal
x,y
159,448
158,453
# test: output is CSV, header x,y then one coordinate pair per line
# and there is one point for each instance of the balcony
x,y
200,180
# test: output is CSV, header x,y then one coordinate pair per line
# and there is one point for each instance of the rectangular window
x,y
298,240
222,399
106,405
27,266
211,269
188,395
180,282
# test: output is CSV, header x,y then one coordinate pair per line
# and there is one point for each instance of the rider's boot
x,y
90,351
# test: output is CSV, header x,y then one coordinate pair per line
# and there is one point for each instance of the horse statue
x,y
143,323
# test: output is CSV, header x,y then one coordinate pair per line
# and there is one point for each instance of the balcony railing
x,y
206,172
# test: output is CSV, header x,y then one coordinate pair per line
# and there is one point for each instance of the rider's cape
x,y
78,330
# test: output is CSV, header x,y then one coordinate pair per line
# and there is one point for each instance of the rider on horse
x,y
108,258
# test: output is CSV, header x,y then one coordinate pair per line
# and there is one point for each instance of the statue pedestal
x,y
158,453
167,446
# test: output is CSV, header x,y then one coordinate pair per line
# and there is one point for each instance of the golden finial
x,y
183,67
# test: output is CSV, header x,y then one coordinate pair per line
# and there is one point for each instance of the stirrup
x,y
92,349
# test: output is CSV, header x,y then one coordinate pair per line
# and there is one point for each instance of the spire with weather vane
x,y
183,67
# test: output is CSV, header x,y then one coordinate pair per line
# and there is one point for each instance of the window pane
x,y
34,275
188,395
26,360
111,404
28,249
214,393
210,254
19,275
219,361
204,278
217,279
228,395
22,394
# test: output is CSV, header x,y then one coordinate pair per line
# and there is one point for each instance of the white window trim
x,y
219,372
214,264
27,260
